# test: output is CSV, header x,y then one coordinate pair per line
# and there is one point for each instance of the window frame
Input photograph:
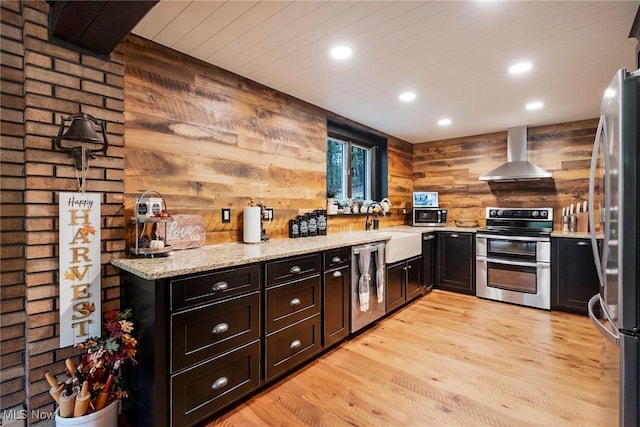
x,y
377,149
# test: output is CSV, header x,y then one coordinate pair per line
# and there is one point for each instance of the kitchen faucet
x,y
367,223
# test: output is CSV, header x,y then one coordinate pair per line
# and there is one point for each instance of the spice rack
x,y
150,208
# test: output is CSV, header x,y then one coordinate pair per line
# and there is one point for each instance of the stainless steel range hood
x,y
517,167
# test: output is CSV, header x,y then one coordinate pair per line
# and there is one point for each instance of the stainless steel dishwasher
x,y
368,275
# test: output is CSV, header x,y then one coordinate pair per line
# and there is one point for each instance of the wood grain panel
x,y
206,139
451,360
452,168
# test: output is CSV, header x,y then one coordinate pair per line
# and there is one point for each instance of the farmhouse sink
x,y
401,245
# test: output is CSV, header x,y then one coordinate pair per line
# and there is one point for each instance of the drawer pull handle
x,y
430,237
220,286
454,235
295,344
295,269
220,328
219,383
294,302
336,259
337,274
583,244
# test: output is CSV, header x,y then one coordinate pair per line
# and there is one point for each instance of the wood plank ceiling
x,y
453,54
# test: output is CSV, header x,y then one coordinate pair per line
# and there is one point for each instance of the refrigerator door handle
x,y
592,188
606,332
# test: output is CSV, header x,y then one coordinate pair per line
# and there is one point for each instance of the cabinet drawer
x,y
292,269
200,289
207,331
287,304
199,392
292,346
337,258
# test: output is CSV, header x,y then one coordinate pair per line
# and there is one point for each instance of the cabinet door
x,y
396,292
414,286
455,266
429,259
574,275
335,303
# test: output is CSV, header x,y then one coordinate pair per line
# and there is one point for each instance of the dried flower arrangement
x,y
101,365
97,380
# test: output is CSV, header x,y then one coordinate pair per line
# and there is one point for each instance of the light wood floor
x,y
451,360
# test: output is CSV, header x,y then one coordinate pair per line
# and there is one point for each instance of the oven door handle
x,y
518,238
517,263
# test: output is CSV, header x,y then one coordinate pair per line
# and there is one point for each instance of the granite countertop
x,y
211,257
575,235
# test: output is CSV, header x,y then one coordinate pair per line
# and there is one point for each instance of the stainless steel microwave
x,y
429,217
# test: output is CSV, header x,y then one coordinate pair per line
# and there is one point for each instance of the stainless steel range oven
x,y
513,256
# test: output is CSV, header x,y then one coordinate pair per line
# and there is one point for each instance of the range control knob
x,y
492,213
543,214
534,214
500,212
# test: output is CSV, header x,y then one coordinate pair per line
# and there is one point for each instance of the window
x,y
356,163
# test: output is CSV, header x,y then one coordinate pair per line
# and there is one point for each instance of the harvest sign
x,y
80,314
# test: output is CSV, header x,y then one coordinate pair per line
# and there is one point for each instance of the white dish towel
x,y
380,273
364,259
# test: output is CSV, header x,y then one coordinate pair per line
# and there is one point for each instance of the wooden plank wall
x,y
206,138
452,168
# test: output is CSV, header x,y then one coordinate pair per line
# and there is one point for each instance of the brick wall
x,y
42,82
12,223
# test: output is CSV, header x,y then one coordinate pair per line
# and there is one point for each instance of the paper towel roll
x,y
252,224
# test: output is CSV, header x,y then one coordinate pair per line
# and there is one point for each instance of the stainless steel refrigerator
x,y
615,183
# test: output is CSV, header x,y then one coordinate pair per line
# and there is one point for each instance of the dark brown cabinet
x,y
429,249
201,336
292,313
456,261
335,296
404,282
574,277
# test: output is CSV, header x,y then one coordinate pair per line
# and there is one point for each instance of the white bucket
x,y
106,417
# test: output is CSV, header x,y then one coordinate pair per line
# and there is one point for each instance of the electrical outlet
x,y
267,214
226,215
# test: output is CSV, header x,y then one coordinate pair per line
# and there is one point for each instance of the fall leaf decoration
x,y
86,230
107,354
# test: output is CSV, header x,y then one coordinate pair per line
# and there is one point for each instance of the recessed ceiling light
x,y
407,96
534,105
519,68
444,122
341,52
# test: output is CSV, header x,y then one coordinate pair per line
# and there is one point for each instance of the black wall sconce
x,y
82,130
